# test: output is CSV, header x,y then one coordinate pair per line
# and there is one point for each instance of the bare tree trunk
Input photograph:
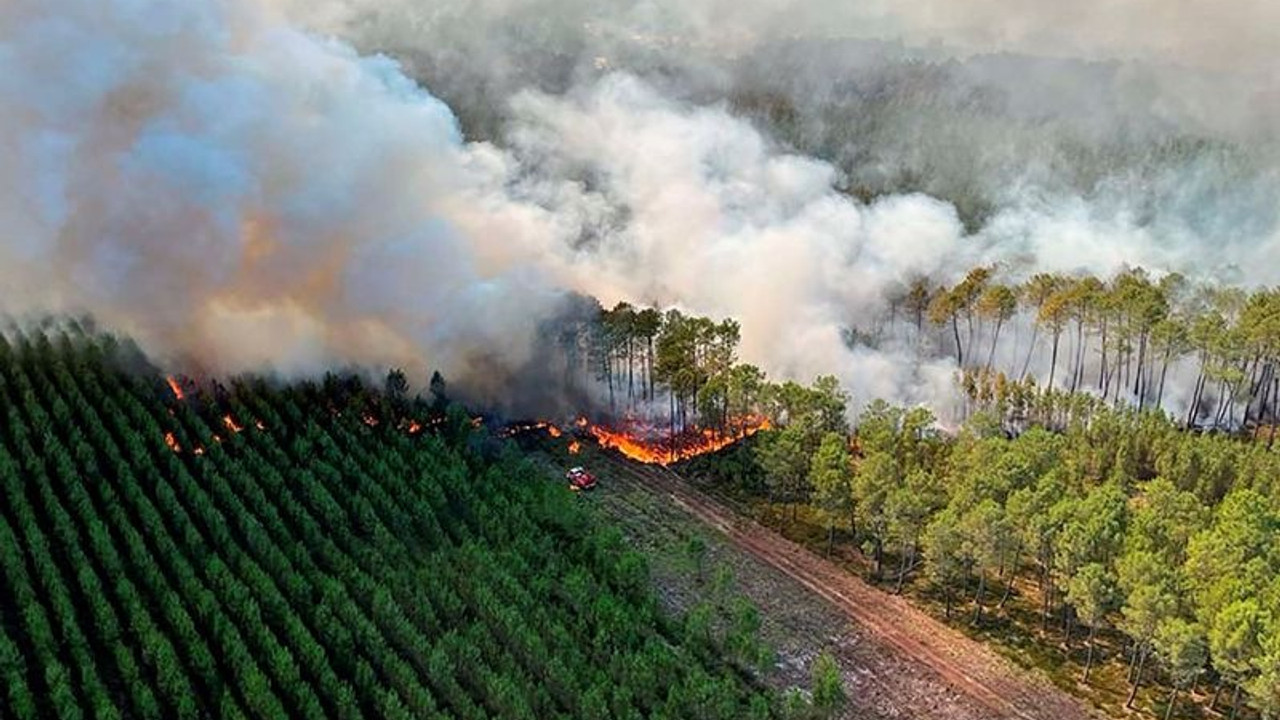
x,y
1013,573
1193,410
671,393
1031,350
1102,369
1173,700
631,374
649,372
1068,624
1088,658
968,317
907,551
995,337
1078,373
1164,371
1137,678
955,330
1053,361
977,598
1224,394
1263,394
1271,436
1046,610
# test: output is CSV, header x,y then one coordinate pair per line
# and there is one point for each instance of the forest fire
x,y
175,387
521,428
172,442
645,442
652,445
231,424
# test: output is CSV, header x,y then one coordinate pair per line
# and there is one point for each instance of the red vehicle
x,y
579,479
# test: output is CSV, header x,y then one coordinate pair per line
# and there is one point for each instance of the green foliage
x,y
303,554
827,684
1119,519
830,475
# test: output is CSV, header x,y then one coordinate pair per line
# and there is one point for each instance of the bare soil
x,y
898,662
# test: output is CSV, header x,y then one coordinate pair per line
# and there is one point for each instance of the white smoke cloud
x,y
719,221
228,187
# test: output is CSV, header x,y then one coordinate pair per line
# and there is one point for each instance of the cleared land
x,y
898,661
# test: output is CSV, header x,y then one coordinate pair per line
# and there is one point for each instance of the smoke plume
x,y
249,184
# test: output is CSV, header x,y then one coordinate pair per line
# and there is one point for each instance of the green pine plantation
x,y
307,563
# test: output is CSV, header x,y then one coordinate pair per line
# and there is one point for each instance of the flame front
x,y
175,387
575,447
231,424
172,442
521,428
648,445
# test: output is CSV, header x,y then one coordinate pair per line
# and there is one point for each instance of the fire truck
x,y
579,479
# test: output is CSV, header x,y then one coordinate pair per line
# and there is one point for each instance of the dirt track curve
x,y
962,663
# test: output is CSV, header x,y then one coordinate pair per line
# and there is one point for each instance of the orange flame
x,y
258,424
575,447
415,427
231,424
175,387
172,442
520,428
655,448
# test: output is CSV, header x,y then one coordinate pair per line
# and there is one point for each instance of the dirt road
x,y
995,688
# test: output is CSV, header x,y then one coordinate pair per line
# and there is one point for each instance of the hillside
x,y
174,552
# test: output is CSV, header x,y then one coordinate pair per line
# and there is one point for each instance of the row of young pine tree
x,y
1129,538
289,552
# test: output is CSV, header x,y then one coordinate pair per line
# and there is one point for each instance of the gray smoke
x,y
238,193
248,184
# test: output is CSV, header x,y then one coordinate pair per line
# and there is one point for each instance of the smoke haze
x,y
248,184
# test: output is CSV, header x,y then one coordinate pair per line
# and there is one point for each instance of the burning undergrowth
x,y
635,439
651,444
639,440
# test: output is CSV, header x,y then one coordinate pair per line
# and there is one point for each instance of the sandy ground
x,y
897,661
